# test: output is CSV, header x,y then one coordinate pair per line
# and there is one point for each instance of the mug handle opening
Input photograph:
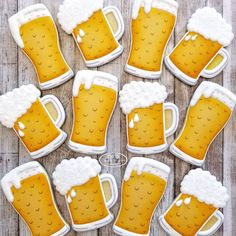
x,y
175,118
115,21
217,64
113,189
212,225
54,108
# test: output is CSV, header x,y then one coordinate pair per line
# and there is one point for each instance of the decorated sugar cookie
x,y
35,33
195,210
79,181
144,107
28,189
210,109
94,99
23,110
152,25
143,186
96,36
208,34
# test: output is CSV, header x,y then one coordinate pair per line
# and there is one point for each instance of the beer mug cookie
x,y
23,110
209,111
144,107
152,25
36,34
79,181
94,100
96,30
28,189
143,186
201,51
200,198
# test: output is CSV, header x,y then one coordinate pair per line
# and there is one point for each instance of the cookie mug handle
x,y
118,18
216,69
219,221
175,118
59,121
113,187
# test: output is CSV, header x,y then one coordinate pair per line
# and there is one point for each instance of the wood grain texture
x,y
16,69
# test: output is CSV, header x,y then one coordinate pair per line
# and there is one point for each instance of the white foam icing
x,y
24,16
209,89
74,172
141,95
73,193
210,24
143,164
74,12
205,188
90,77
69,200
15,103
15,176
79,39
193,38
187,38
179,203
167,5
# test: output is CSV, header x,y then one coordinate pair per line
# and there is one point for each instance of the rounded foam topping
x,y
16,103
143,164
205,188
209,89
74,172
90,77
141,95
210,24
74,12
167,5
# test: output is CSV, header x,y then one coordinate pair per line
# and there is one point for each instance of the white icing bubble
x,y
131,124
74,12
205,188
143,164
210,24
136,118
141,95
179,203
187,201
16,103
74,172
167,5
209,89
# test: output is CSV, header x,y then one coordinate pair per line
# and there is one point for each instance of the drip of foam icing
x,y
21,133
69,200
131,124
187,201
22,17
210,24
136,118
194,37
74,12
16,103
167,5
205,188
142,164
187,38
141,95
15,176
79,39
21,125
74,172
73,193
179,203
81,33
209,89
89,77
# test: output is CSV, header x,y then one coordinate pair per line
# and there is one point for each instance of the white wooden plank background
x,y
15,70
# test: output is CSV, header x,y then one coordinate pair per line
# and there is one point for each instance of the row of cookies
x,y
97,30
37,121
89,195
